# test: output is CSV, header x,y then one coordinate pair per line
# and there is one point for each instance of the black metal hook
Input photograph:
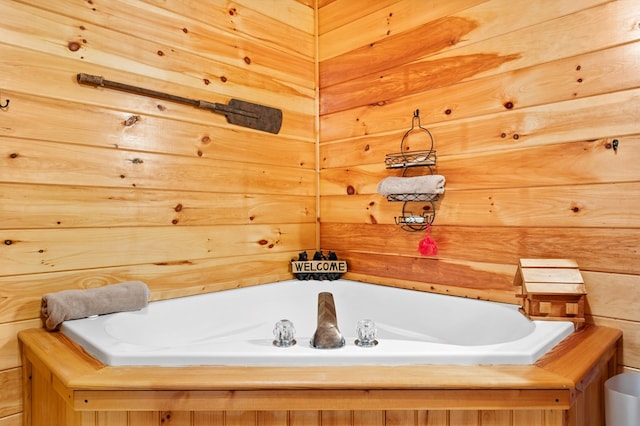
x,y
6,104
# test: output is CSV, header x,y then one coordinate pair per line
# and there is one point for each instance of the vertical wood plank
x,y
400,418
433,418
528,418
337,418
40,389
240,418
88,418
175,418
496,418
555,418
144,418
464,418
368,418
304,418
208,418
112,418
272,418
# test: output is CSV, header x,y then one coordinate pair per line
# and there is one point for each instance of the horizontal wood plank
x,y
10,392
502,245
535,207
590,74
20,295
29,251
30,161
9,349
29,206
517,49
320,399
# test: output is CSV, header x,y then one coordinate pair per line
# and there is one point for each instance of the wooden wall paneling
x,y
30,161
528,418
20,295
400,418
146,418
10,392
590,74
304,418
516,49
464,417
599,117
155,57
272,418
134,121
605,289
291,29
14,420
481,280
33,251
630,338
496,244
560,206
337,418
240,418
342,12
490,17
208,418
28,206
376,29
112,418
125,130
369,418
534,165
9,349
421,33
298,14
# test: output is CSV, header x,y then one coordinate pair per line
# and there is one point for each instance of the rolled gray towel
x,y
429,184
72,304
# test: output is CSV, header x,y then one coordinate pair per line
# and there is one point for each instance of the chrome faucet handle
x,y
284,332
367,333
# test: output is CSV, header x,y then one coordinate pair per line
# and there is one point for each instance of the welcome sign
x,y
320,268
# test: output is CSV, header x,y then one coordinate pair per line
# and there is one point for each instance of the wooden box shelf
x,y
551,289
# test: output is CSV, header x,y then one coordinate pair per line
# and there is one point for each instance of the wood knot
x,y
73,46
133,119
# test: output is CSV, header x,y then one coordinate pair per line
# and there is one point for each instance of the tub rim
x,y
553,381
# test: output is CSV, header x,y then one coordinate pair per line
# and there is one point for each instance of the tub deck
x,y
562,388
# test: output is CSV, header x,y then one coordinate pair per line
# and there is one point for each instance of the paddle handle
x,y
224,109
238,112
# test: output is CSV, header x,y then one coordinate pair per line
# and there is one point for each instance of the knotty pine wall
x,y
524,99
99,186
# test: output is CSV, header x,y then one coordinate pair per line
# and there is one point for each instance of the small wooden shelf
x,y
552,289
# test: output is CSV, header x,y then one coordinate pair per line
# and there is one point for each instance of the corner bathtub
x,y
65,386
235,327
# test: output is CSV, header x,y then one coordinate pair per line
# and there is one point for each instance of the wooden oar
x,y
241,113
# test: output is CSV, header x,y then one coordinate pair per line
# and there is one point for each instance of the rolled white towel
x,y
72,304
429,184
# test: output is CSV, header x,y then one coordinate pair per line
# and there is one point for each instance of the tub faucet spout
x,y
327,335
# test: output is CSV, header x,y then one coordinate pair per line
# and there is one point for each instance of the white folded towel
x,y
429,184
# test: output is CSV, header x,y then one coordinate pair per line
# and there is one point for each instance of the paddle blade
x,y
253,116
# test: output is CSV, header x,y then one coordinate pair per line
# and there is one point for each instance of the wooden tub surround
x,y
63,385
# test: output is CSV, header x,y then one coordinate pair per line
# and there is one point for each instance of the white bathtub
x,y
235,327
